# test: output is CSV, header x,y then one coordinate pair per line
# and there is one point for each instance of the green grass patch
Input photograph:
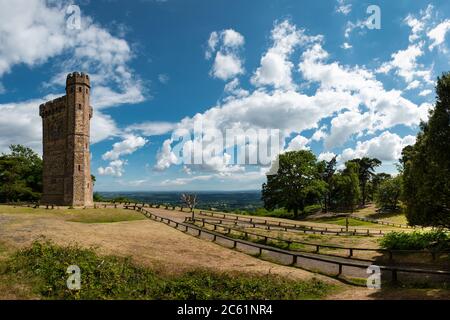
x,y
43,267
104,216
341,222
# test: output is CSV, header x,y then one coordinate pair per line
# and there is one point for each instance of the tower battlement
x,y
66,133
78,78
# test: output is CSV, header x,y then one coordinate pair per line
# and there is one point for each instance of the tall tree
x,y
344,186
20,175
327,175
296,184
366,172
388,193
426,165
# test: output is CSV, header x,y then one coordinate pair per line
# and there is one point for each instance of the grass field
x,y
100,215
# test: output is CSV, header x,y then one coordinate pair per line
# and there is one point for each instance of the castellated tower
x,y
66,131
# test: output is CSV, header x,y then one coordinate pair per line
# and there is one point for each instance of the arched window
x,y
79,89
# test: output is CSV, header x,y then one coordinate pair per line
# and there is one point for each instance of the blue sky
x,y
314,71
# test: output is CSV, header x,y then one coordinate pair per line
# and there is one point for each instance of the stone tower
x,y
66,131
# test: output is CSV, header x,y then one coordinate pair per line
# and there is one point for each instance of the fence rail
x,y
340,263
317,246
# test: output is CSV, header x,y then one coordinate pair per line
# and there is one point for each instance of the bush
x,y
119,278
416,240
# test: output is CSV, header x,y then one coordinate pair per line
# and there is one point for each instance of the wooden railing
x,y
317,246
340,263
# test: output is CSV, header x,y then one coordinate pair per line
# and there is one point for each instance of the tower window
x,y
87,90
79,89
79,106
79,167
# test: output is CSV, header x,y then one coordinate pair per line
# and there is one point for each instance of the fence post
x,y
394,276
350,252
294,260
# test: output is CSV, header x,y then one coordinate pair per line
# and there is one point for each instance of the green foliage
x,y
344,187
118,278
426,165
416,240
366,168
280,212
98,197
20,175
388,193
296,184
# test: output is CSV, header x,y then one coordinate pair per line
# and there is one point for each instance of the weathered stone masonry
x,y
66,131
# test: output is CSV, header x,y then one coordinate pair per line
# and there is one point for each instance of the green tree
x,y
327,175
388,193
366,172
20,175
426,165
296,184
344,186
377,179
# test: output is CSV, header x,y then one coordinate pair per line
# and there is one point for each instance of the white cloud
x,y
165,157
326,156
343,7
346,46
151,128
232,39
438,33
426,92
226,46
163,78
20,123
320,134
115,168
418,25
276,68
404,63
298,143
385,147
226,66
127,146
413,85
102,127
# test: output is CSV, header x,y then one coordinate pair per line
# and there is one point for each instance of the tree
x,y
366,172
327,175
377,179
426,165
20,175
190,200
388,193
344,186
296,184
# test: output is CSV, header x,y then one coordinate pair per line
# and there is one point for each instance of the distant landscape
x,y
220,200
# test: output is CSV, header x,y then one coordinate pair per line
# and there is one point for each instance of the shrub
x,y
436,239
110,277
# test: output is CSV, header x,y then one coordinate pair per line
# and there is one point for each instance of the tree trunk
x,y
363,194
